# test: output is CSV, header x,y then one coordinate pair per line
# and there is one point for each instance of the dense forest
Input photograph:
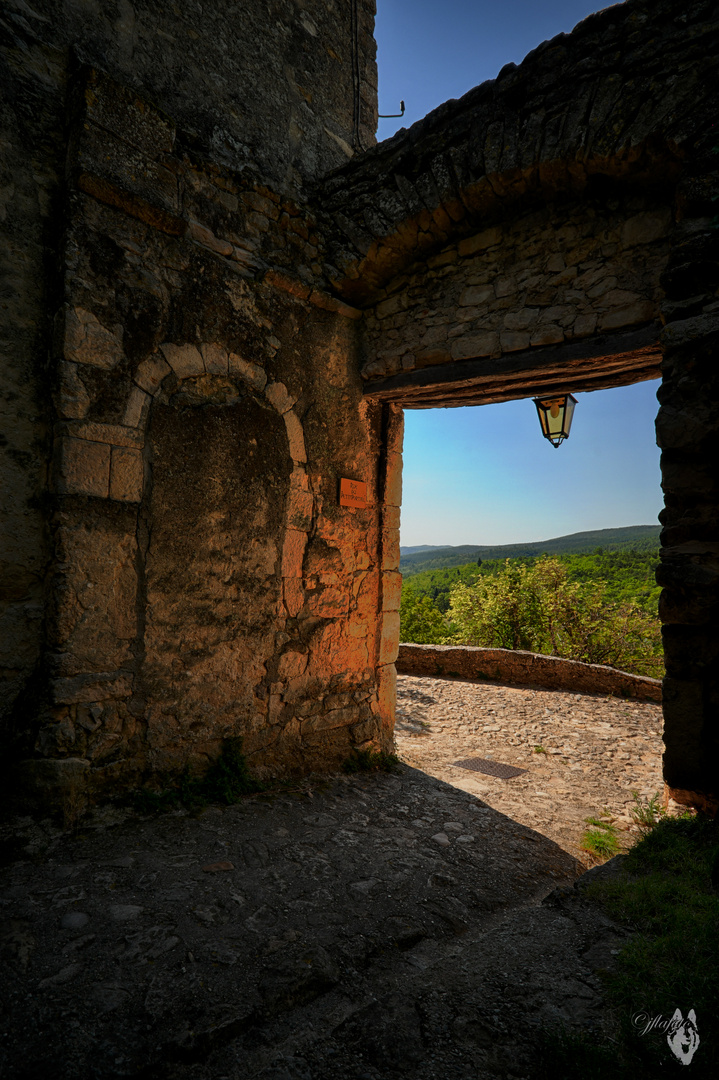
x,y
632,537
598,606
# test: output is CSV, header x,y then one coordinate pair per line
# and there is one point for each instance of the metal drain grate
x,y
491,768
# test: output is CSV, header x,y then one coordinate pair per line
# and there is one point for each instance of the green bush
x,y
534,606
420,621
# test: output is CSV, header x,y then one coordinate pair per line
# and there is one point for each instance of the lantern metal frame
x,y
555,416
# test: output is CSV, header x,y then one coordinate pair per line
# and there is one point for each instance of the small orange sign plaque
x,y
353,493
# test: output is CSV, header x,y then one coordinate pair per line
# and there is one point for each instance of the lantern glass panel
x,y
555,416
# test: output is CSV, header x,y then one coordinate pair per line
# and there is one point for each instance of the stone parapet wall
x,y
523,668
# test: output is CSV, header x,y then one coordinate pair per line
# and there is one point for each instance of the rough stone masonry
x,y
219,296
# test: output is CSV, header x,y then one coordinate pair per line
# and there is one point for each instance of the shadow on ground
x,y
360,927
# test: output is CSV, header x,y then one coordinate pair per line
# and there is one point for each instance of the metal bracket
x,y
390,116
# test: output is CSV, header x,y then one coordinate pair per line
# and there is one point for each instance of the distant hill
x,y
425,557
420,547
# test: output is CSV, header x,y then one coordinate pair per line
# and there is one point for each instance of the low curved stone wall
x,y
509,666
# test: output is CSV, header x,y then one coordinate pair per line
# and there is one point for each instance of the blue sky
x,y
485,475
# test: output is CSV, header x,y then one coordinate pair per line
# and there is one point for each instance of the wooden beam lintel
x,y
450,399
607,356
611,373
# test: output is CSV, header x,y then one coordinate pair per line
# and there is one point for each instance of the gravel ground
x,y
597,751
364,927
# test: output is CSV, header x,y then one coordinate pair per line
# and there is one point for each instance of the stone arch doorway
x,y
552,230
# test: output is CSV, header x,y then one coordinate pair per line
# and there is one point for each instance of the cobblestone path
x,y
582,753
366,927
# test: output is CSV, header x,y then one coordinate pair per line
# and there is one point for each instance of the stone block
x,y
391,590
428,358
207,239
279,397
393,480
150,373
504,287
293,553
87,341
476,294
185,360
486,239
112,434
136,409
389,639
292,664
72,400
288,284
83,468
584,325
336,718
646,227
295,437
251,373
387,695
513,341
686,331
389,307
95,686
126,474
293,595
547,335
326,302
521,319
390,549
299,509
216,359
628,315
390,517
471,345
50,782
395,428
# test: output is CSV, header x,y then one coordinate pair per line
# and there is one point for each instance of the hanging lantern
x,y
555,416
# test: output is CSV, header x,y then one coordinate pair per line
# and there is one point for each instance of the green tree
x,y
420,621
536,607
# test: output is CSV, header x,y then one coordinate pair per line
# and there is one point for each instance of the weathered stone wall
x,y
516,667
31,168
557,274
287,90
185,396
208,584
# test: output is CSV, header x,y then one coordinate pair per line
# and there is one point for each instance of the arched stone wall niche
x,y
115,463
220,467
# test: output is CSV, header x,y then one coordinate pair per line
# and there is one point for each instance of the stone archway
x,y
553,230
